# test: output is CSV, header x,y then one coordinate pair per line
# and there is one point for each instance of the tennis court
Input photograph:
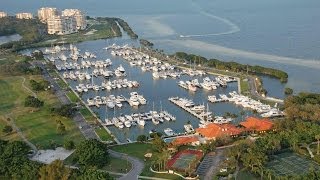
x,y
290,164
185,159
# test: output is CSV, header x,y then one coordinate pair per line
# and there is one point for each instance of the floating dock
x,y
176,101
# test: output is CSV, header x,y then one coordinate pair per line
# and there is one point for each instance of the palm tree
x,y
318,143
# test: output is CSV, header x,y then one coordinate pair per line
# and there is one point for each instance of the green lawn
x,y
38,125
139,150
114,164
118,165
62,84
72,96
87,115
135,149
103,134
244,84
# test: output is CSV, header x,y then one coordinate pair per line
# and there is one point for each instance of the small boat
x,y
169,132
127,124
188,128
141,122
155,121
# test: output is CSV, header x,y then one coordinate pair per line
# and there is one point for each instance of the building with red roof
x,y
186,140
213,131
257,125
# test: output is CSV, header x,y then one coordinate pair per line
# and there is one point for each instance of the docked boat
x,y
198,108
192,87
169,132
155,75
141,122
155,121
127,124
188,128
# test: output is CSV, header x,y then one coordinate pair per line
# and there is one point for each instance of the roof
x,y
253,123
217,130
185,140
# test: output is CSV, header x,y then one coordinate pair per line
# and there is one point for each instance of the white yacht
x,y
198,108
155,121
188,128
141,122
127,124
155,75
192,87
142,100
169,132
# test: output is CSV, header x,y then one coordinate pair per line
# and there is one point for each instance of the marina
x,y
112,102
265,110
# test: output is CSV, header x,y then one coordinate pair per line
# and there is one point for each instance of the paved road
x,y
137,165
215,164
85,128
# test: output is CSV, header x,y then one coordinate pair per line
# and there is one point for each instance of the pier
x,y
176,101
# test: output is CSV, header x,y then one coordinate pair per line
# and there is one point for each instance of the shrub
x,y
32,101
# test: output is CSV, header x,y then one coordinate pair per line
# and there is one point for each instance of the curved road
x,y
137,165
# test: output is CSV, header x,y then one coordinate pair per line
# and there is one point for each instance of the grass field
x,y
73,98
118,165
103,134
287,164
138,150
114,164
244,84
38,125
87,115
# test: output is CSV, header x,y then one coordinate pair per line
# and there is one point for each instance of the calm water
x,y
156,92
5,39
280,34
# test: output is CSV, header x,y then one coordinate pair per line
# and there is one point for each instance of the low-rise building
x,y
61,25
24,16
3,14
254,124
213,131
47,12
186,140
80,18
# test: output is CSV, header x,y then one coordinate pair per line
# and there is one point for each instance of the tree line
x,y
36,31
15,164
231,66
289,136
305,106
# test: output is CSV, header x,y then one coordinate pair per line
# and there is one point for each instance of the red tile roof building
x,y
256,124
213,131
193,140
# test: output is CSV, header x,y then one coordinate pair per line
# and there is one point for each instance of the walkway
x,y
19,132
25,87
137,165
85,128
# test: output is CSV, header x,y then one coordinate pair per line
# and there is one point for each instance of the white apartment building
x,y
80,18
61,25
24,16
3,14
47,12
